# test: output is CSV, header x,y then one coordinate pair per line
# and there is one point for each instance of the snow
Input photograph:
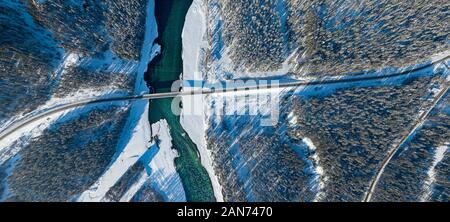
x,y
440,56
137,145
35,128
8,171
128,156
134,188
446,65
163,171
324,90
193,41
320,178
309,143
135,138
192,116
292,119
222,64
195,108
21,136
438,157
68,60
243,167
226,62
160,168
133,143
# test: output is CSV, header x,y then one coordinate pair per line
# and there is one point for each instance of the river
x,y
166,68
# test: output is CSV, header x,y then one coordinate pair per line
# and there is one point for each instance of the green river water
x,y
164,69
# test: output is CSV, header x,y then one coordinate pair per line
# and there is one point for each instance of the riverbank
x,y
193,117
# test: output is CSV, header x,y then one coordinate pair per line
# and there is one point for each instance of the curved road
x,y
9,129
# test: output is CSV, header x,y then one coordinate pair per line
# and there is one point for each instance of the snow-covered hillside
x,y
57,52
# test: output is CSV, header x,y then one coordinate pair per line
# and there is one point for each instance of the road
x,y
19,124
